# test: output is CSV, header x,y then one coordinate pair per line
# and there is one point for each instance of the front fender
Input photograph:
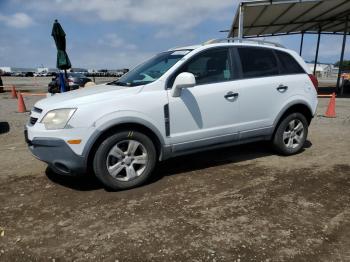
x,y
123,117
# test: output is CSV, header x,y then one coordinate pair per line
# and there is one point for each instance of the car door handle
x,y
231,95
282,88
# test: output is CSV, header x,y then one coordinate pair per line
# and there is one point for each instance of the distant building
x,y
47,70
5,69
323,70
335,71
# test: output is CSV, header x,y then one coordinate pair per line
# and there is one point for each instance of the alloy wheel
x,y
127,160
293,134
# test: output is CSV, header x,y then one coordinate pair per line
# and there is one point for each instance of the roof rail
x,y
242,40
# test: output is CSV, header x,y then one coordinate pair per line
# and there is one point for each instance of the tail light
x,y
70,81
314,81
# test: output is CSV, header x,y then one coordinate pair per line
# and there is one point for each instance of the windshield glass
x,y
151,70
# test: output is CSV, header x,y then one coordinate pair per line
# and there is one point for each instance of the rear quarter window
x,y
288,64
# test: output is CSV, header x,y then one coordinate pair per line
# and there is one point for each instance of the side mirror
x,y
183,80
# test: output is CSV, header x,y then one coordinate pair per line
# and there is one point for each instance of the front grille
x,y
32,120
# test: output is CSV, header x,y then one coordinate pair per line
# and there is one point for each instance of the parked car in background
x,y
74,81
29,74
183,100
41,74
18,74
6,73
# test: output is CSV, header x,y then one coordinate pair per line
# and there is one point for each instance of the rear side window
x,y
288,63
258,62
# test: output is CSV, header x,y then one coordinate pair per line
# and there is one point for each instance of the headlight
x,y
58,118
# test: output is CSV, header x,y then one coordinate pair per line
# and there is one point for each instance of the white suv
x,y
180,101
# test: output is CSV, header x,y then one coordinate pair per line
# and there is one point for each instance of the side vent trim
x,y
167,119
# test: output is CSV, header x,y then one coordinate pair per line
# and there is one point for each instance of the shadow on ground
x,y
87,182
203,160
178,165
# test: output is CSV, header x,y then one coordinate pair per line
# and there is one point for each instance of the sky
x,y
122,33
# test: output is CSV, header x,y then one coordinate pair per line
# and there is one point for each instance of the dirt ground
x,y
236,204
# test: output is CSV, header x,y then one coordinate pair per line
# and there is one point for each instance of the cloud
x,y
115,41
105,59
182,13
83,56
146,26
18,20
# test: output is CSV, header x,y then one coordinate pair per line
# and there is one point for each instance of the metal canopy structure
x,y
263,18
269,17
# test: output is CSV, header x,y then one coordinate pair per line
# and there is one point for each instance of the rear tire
x,y
291,134
125,160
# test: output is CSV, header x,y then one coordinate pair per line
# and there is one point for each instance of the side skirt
x,y
170,151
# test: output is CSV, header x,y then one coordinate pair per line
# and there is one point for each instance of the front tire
x,y
291,134
125,160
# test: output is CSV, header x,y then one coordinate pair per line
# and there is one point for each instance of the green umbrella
x,y
60,39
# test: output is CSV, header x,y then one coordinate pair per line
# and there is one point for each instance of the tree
x,y
345,65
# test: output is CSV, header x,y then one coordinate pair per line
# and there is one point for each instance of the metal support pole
x,y
317,49
301,44
241,21
342,56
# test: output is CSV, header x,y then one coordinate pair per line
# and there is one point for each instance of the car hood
x,y
86,95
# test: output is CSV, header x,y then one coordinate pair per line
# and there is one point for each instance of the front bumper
x,y
57,154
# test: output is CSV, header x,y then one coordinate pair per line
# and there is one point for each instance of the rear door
x,y
294,76
262,90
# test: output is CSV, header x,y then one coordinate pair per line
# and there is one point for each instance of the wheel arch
x,y
101,134
298,107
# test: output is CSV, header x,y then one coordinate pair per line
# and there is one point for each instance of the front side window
x,y
257,62
151,70
208,67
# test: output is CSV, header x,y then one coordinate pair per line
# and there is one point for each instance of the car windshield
x,y
152,69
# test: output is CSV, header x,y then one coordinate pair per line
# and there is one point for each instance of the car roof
x,y
232,42
245,43
190,47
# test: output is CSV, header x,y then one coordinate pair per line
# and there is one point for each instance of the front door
x,y
206,114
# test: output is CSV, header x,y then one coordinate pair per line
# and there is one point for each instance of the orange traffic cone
x,y
13,92
331,107
21,105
